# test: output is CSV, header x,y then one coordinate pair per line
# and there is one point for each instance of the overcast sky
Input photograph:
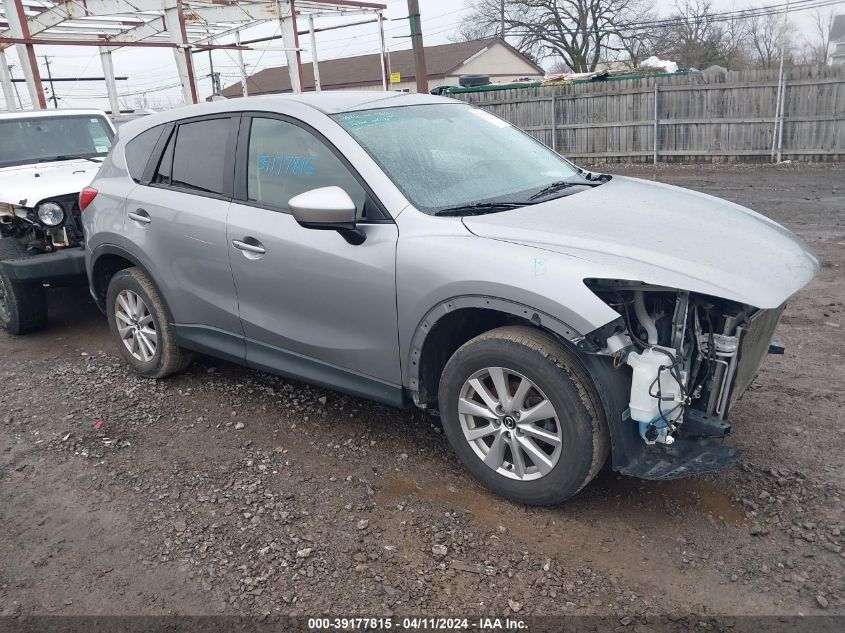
x,y
152,70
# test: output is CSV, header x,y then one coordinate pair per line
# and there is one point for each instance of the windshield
x,y
448,155
43,138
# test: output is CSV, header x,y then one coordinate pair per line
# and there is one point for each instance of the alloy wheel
x,y
510,424
135,325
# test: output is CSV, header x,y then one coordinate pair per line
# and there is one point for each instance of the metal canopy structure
x,y
186,26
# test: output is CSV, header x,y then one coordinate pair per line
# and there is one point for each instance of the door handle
x,y
246,247
140,216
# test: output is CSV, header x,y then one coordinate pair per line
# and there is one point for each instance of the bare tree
x,y
468,31
734,42
640,42
694,39
766,33
581,33
817,46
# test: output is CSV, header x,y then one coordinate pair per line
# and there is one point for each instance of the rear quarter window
x,y
139,149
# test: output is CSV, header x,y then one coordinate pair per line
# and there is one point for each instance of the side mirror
x,y
328,208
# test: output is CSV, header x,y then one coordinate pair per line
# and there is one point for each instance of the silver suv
x,y
411,248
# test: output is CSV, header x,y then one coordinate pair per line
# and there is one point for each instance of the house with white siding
x,y
445,65
837,40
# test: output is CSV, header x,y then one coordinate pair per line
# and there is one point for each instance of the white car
x,y
46,158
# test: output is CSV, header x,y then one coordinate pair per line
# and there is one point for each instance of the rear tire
x,y
540,441
23,306
139,324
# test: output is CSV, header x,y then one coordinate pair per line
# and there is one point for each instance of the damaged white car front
x,y
47,158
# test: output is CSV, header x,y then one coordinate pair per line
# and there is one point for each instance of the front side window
x,y
446,155
51,138
197,159
286,160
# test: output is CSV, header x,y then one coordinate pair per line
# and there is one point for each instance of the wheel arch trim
x,y
426,325
110,249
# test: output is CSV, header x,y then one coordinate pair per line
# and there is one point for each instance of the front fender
x,y
442,263
426,325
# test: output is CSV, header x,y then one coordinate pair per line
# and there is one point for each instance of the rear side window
x,y
286,160
139,149
199,158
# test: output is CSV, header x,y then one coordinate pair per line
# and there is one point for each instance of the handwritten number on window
x,y
282,165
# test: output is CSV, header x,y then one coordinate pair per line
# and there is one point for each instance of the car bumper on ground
x,y
60,268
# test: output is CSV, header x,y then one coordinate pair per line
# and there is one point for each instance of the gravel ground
x,y
228,491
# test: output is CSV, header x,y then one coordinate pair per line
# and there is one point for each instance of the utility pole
x,y
417,43
781,86
215,89
15,85
50,80
502,25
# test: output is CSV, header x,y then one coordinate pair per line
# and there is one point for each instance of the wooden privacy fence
x,y
697,116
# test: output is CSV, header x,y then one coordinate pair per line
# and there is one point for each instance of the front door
x,y
312,304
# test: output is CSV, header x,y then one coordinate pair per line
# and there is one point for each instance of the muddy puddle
x,y
642,502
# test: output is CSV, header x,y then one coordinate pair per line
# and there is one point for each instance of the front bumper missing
x,y
64,267
633,457
683,458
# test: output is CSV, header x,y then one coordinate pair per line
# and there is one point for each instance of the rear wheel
x,y
139,325
523,415
23,306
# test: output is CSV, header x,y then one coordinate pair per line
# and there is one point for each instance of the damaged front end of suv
x,y
688,357
674,297
47,158
44,227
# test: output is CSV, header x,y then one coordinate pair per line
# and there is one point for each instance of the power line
x,y
770,10
775,9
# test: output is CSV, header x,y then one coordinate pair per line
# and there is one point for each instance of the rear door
x,y
309,295
176,225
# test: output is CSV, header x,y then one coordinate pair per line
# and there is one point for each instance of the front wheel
x,y
523,415
139,325
23,306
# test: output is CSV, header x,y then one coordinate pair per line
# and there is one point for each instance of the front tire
x,y
523,415
139,325
23,306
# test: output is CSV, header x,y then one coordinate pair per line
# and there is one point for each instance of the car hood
x,y
664,235
27,185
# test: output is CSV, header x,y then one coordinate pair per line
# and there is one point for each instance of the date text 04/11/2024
x,y
416,624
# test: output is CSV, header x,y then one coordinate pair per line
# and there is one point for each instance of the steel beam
x,y
232,13
352,3
290,38
6,80
315,64
70,10
108,74
241,66
144,31
26,52
385,68
174,18
233,31
115,44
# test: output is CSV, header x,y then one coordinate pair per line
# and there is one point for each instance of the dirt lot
x,y
230,491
